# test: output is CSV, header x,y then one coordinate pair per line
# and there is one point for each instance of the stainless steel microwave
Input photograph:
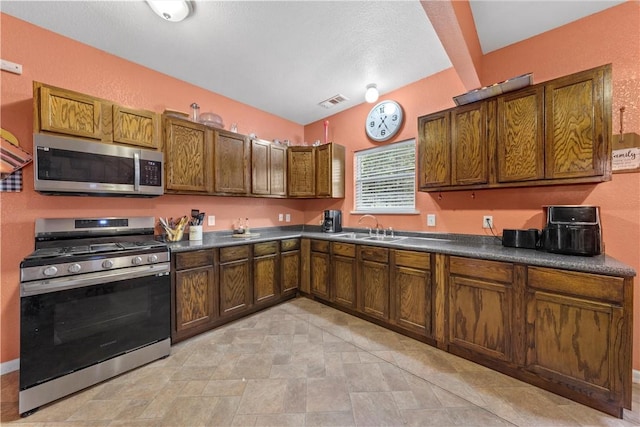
x,y
72,166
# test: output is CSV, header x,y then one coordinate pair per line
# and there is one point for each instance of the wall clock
x,y
384,121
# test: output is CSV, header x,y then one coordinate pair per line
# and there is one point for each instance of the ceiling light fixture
x,y
171,10
371,95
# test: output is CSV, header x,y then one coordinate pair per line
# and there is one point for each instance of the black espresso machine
x,y
332,221
573,230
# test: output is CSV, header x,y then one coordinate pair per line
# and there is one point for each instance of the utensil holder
x,y
195,232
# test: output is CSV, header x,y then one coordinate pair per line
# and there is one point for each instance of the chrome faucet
x,y
375,219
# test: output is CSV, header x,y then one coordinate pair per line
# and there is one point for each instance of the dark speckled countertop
x,y
483,247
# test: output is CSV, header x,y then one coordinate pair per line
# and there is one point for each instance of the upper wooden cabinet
x,y
72,113
231,158
268,168
188,153
557,132
520,141
469,145
578,125
330,170
316,172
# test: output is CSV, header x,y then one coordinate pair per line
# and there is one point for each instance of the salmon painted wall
x,y
62,62
611,36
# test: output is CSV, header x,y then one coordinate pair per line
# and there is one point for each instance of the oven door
x,y
62,331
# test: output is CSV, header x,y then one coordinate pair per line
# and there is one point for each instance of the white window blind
x,y
385,178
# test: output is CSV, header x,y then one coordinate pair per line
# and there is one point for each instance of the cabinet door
x,y
410,292
266,286
469,145
260,179
480,307
323,170
520,142
575,329
231,163
235,280
301,172
434,150
373,281
278,170
343,266
319,268
135,127
73,113
578,124
187,154
290,265
195,298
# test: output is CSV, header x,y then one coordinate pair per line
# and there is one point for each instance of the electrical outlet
x,y
211,220
280,217
487,221
431,220
287,218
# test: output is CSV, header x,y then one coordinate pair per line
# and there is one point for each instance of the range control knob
x,y
136,260
153,258
74,268
50,271
107,263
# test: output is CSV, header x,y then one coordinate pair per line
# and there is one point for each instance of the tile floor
x,y
305,364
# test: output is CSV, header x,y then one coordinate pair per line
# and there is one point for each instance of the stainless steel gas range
x,y
94,303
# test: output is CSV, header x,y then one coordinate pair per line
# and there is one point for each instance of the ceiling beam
x,y
456,29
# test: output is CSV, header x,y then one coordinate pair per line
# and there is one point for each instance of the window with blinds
x,y
385,178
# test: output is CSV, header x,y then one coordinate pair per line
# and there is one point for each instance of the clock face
x,y
384,120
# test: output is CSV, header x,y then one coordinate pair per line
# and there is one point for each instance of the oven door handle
x,y
98,278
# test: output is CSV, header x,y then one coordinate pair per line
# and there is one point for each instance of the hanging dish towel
x,y
12,160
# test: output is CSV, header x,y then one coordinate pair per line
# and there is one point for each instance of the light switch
x,y
431,220
211,220
280,217
287,218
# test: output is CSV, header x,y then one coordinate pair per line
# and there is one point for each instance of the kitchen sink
x,y
384,238
352,235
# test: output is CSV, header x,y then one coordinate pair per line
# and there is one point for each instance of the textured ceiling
x,y
287,57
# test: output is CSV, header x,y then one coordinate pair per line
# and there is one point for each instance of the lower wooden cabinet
x,y
410,291
577,332
290,266
480,306
343,274
236,293
319,269
373,281
195,293
266,286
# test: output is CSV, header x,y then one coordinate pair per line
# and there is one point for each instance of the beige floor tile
x,y
365,377
329,419
375,409
263,397
327,395
280,420
224,388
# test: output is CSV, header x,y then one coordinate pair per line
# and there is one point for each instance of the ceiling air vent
x,y
333,101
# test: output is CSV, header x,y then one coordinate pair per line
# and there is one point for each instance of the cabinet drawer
x,y
421,260
289,245
234,253
373,253
320,246
580,284
478,268
185,260
344,249
266,248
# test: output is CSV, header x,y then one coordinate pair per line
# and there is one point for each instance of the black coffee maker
x,y
332,222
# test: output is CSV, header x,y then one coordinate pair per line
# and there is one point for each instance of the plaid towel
x,y
11,183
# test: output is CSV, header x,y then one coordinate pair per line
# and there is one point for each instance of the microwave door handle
x,y
136,171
